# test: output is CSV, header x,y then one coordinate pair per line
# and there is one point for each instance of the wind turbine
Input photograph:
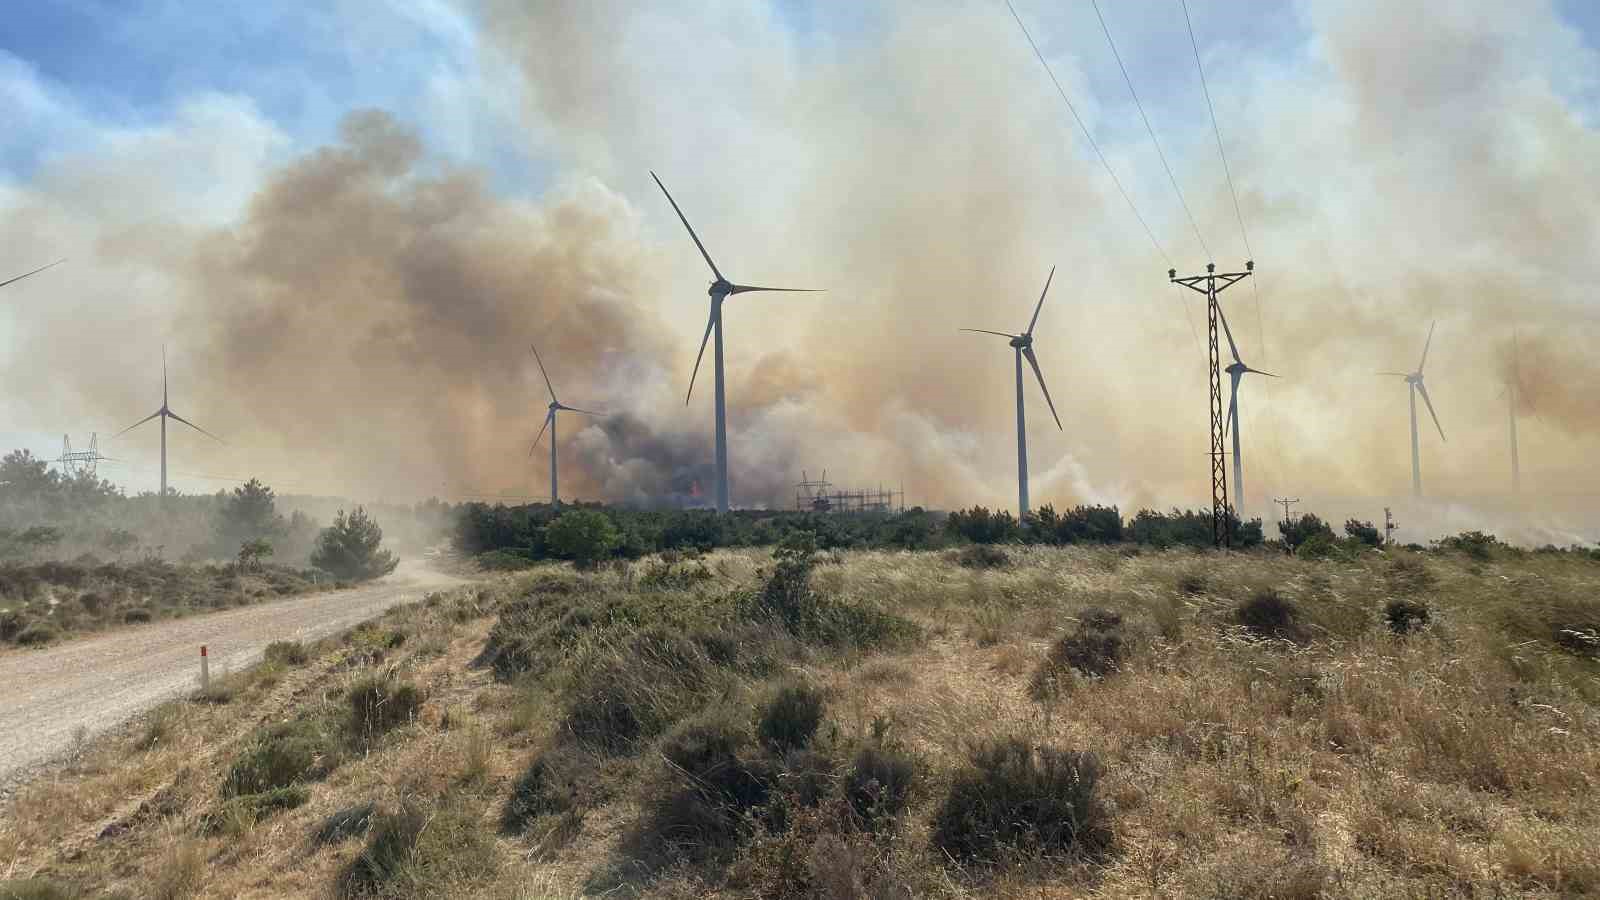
x,y
165,413
1415,387
720,290
34,272
1236,373
1023,345
1512,394
550,423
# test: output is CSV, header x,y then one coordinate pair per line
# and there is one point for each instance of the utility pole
x,y
1211,284
1389,525
1288,523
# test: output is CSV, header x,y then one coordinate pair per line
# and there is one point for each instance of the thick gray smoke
x,y
361,321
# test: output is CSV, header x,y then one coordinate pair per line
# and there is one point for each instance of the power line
x,y
1135,94
1090,138
1214,129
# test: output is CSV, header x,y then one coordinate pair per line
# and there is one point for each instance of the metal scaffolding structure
x,y
76,462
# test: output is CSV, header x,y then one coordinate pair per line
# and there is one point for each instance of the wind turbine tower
x,y
550,423
1415,386
165,413
721,289
1512,396
1236,371
1022,344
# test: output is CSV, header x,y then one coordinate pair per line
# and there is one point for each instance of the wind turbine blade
x,y
750,288
996,333
1259,372
1424,391
701,355
136,424
686,224
1425,348
1034,361
1035,320
577,410
1396,374
544,373
26,274
195,427
535,445
1232,347
1232,421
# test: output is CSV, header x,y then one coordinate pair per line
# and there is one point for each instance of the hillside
x,y
982,722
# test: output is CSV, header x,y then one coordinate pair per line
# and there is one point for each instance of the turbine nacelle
x,y
1022,341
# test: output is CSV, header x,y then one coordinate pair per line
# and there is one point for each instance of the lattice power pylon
x,y
84,462
1211,284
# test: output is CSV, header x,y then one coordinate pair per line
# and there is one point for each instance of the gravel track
x,y
94,684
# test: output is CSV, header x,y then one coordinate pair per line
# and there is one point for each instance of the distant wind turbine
x,y
1415,387
26,274
1236,372
550,423
1513,395
1023,345
720,290
165,413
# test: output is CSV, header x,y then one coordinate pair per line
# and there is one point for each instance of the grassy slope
x,y
1459,760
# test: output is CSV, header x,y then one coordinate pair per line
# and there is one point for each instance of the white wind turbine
x,y
720,290
1416,386
165,413
1236,372
17,278
1023,345
550,423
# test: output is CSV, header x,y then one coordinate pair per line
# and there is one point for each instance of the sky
x,y
346,222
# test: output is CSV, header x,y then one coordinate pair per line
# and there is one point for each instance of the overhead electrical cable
x,y
1147,127
1102,157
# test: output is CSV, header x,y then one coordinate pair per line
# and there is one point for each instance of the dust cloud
x,y
359,320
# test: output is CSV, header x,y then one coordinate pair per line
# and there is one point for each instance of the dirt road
x,y
93,684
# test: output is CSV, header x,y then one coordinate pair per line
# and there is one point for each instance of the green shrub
x,y
508,560
1406,616
282,755
711,811
1015,798
248,809
379,704
136,616
982,556
35,889
559,782
349,549
417,851
286,653
878,786
37,634
620,697
1269,614
791,718
584,536
1096,648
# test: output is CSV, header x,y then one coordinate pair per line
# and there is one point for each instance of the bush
x,y
621,697
136,616
248,809
710,812
1096,648
378,704
280,756
1078,525
349,548
791,718
37,634
1475,544
505,561
288,653
1363,532
35,889
343,825
1013,797
1268,614
1406,616
416,851
980,526
584,536
548,787
982,556
1299,531
878,786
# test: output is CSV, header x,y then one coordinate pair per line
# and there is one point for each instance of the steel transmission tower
x,y
76,462
1211,284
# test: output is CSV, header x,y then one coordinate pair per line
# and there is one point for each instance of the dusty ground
x,y
54,697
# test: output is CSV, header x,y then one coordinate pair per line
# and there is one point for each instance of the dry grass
x,y
1236,756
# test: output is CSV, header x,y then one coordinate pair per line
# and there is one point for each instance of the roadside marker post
x,y
205,669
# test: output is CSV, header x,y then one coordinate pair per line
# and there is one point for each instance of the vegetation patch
x,y
1269,614
790,719
416,850
381,703
286,653
343,825
285,754
243,811
1406,616
1097,647
1016,798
